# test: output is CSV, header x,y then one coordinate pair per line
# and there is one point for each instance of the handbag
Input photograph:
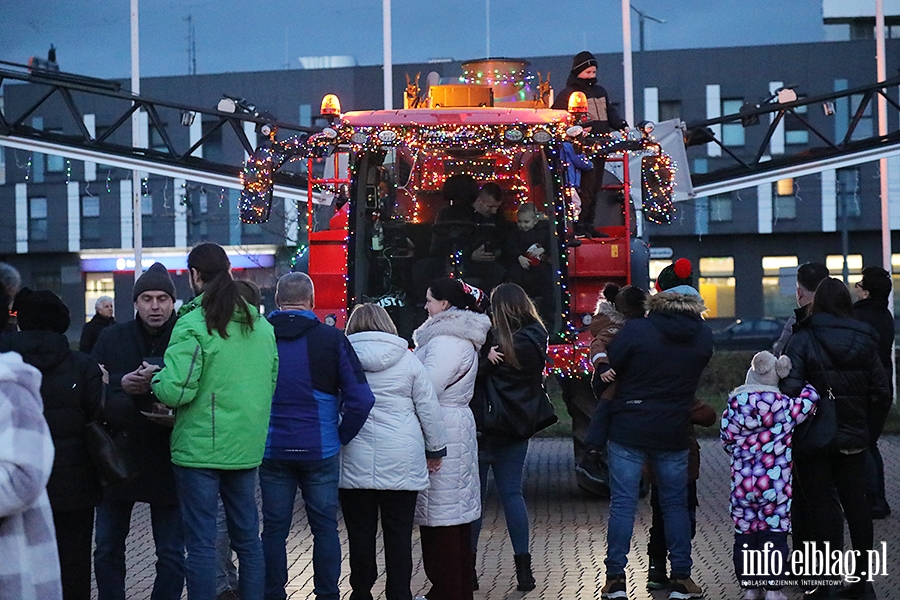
x,y
818,434
497,417
109,449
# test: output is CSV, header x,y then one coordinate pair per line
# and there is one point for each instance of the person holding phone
x,y
130,353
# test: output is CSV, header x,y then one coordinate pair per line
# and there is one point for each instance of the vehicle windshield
x,y
416,215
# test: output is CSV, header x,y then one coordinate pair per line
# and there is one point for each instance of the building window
x,y
717,285
848,192
90,221
47,280
37,219
865,127
779,285
656,267
147,204
835,264
669,109
701,165
795,131
720,208
156,139
785,202
732,133
55,164
212,145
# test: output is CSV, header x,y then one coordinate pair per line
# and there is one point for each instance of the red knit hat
x,y
678,273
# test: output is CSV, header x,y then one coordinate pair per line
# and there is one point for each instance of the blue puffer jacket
x,y
321,399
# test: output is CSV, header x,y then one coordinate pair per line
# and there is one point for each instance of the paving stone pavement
x,y
568,539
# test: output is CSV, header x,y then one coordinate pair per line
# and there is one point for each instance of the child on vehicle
x,y
757,428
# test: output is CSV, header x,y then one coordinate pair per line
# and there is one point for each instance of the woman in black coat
x,y
70,389
839,356
510,372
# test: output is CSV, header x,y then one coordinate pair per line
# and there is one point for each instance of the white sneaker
x,y
753,594
775,595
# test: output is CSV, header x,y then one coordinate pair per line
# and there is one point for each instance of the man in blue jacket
x,y
657,363
321,401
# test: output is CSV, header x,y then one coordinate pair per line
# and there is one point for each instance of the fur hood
x,y
671,302
455,322
605,309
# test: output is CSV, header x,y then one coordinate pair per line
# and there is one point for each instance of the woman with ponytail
x,y
448,344
219,376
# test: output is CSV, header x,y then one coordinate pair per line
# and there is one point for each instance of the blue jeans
x,y
199,491
113,523
226,572
507,460
318,483
670,468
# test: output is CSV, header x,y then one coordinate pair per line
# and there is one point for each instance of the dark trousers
x,y
833,487
74,533
447,558
361,508
875,479
757,540
656,546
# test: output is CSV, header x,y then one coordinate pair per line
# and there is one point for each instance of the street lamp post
x,y
137,226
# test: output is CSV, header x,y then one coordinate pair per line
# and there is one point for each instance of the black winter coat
x,y
70,388
876,313
90,333
121,349
841,354
658,362
516,385
603,116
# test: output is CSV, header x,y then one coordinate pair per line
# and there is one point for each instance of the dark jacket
x,y
321,398
602,116
841,354
876,313
70,389
516,386
121,349
658,362
90,333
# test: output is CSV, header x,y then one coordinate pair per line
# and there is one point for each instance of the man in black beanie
x,y
602,118
130,352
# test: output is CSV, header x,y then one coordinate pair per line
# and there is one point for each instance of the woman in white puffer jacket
x,y
448,344
387,463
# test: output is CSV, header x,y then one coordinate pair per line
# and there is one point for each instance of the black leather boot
x,y
523,573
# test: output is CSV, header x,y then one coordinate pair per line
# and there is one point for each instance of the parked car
x,y
749,334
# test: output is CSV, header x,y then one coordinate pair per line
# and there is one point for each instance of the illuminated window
x,y
779,285
656,266
785,202
716,285
835,264
96,285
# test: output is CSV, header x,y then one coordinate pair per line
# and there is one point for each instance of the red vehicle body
x,y
375,193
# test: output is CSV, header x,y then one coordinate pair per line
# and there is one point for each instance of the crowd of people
x,y
217,402
214,401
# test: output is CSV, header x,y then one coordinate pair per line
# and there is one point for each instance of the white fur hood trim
x,y
454,322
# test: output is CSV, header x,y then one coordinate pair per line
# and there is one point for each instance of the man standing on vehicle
x,y
602,118
321,401
125,350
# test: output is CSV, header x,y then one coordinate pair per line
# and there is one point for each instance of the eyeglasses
x,y
859,285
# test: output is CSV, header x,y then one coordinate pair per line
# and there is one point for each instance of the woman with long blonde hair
x,y
511,374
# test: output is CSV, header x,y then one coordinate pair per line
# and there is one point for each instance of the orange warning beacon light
x,y
578,105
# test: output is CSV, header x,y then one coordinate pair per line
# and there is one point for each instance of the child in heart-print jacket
x,y
757,428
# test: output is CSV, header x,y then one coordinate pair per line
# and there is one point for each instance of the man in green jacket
x,y
219,376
